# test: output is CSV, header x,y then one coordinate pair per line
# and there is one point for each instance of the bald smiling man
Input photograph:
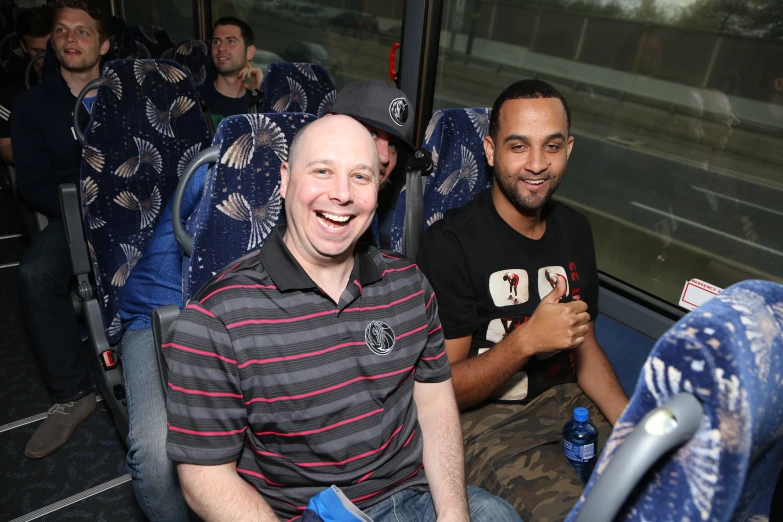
x,y
319,361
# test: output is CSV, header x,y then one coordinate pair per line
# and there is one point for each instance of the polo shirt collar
x,y
288,274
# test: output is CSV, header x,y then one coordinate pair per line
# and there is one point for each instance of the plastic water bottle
x,y
580,438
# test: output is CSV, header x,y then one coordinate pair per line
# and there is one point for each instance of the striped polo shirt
x,y
266,370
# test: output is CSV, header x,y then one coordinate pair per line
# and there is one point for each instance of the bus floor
x,y
87,478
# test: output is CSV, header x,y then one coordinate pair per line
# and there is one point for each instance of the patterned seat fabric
x,y
144,42
729,354
297,87
241,200
145,128
196,57
455,138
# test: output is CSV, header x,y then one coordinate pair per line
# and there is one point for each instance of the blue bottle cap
x,y
581,414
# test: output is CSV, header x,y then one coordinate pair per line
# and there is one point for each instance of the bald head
x,y
337,130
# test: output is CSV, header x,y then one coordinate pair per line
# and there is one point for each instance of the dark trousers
x,y
44,282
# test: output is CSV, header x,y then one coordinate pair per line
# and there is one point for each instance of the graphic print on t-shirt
x,y
509,287
547,280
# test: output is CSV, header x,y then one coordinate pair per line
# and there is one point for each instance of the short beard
x,y
512,194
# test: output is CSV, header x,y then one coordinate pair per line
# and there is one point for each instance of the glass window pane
x,y
677,112
351,39
175,16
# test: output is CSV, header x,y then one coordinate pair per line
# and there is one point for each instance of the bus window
x,y
349,39
678,117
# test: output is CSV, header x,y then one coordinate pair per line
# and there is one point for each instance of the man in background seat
x,y
47,154
517,353
236,88
33,26
384,111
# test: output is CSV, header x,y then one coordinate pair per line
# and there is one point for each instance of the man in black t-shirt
x,y
236,88
33,25
516,279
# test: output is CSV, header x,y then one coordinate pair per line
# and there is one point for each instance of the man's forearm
x,y
6,152
218,494
599,382
477,378
444,461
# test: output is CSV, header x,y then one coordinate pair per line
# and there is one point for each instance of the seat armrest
x,y
72,218
420,166
661,431
162,319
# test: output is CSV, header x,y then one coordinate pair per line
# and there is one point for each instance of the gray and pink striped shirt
x,y
267,371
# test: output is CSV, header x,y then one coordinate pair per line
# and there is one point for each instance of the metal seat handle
x,y
209,155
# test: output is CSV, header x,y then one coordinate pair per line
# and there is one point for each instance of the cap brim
x,y
385,128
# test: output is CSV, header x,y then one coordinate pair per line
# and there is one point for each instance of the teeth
x,y
538,182
339,219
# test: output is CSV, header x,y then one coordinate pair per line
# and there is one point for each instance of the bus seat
x,y
455,138
144,42
116,31
145,127
716,373
196,57
241,201
297,87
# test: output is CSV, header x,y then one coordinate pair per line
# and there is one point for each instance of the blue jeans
x,y
155,480
45,275
410,505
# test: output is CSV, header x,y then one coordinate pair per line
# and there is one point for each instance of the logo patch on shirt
x,y
398,110
379,337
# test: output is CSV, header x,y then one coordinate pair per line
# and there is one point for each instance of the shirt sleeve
x,y
591,291
6,102
37,186
207,416
433,365
443,262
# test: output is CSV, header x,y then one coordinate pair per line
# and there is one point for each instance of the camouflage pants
x,y
515,451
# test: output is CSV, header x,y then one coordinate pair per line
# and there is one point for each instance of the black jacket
x,y
46,152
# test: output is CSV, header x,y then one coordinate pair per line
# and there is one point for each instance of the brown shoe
x,y
58,426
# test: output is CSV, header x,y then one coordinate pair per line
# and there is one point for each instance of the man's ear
x,y
285,175
24,47
569,147
105,46
489,150
777,84
250,53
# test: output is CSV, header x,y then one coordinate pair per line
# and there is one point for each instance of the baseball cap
x,y
378,105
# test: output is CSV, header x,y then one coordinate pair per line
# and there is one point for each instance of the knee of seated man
x,y
485,506
32,272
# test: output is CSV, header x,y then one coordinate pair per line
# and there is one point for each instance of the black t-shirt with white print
x,y
489,279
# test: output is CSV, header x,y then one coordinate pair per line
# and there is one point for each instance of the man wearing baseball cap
x,y
384,111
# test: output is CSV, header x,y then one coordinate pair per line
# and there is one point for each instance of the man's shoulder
x,y
245,275
465,223
568,217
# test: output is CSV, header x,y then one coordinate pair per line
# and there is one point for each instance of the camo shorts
x,y
515,452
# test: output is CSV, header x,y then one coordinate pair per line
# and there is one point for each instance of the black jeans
x,y
44,282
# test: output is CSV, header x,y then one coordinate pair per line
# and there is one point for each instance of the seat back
x,y
144,42
241,200
455,139
145,127
196,57
297,87
728,353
